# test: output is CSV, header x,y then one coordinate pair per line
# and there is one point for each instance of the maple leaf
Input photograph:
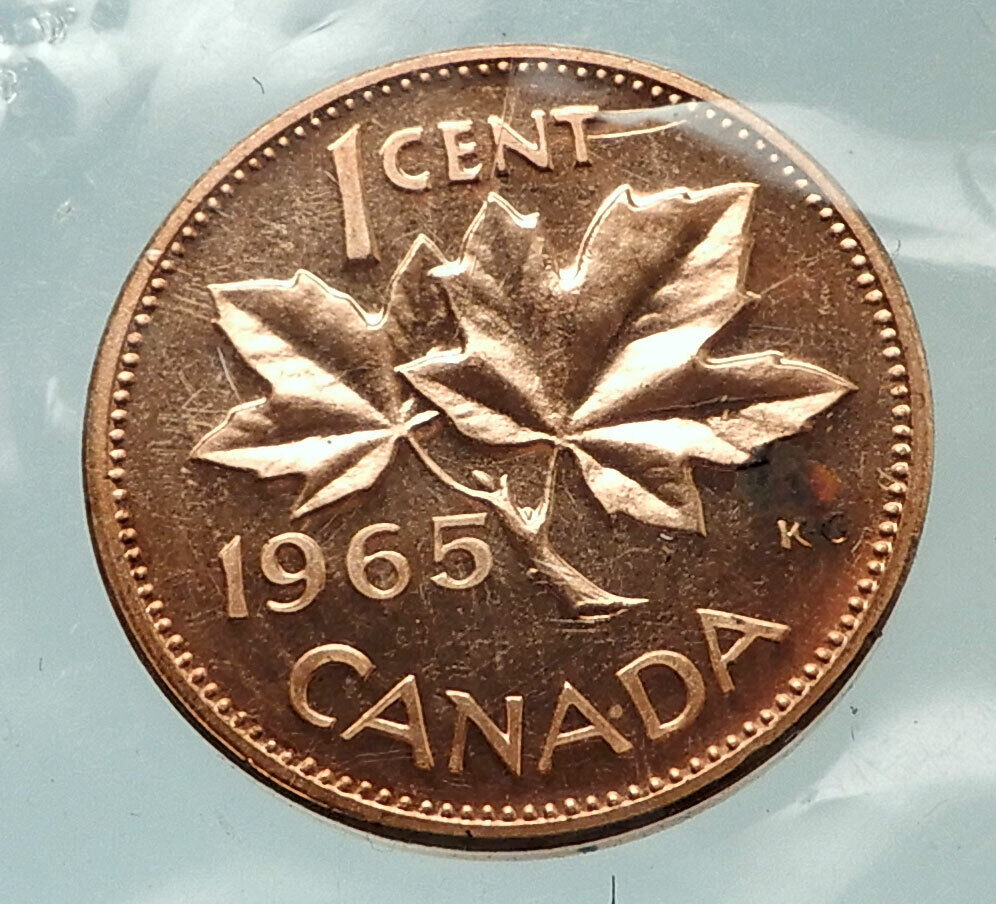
x,y
335,409
609,357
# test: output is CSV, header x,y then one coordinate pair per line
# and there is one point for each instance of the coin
x,y
508,447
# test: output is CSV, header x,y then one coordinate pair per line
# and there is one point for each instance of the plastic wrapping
x,y
109,110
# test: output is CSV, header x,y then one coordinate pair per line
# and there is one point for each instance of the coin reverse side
x,y
508,447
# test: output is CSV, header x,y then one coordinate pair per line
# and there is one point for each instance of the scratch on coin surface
x,y
228,374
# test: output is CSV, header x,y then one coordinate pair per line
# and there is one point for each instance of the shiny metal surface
x,y
654,387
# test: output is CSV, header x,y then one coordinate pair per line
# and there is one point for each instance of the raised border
x,y
546,824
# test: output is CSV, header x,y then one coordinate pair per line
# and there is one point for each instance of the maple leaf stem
x,y
587,601
544,508
443,475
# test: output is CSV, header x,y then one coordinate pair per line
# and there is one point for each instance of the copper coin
x,y
508,447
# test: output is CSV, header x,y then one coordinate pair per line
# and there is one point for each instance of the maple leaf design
x,y
335,410
608,358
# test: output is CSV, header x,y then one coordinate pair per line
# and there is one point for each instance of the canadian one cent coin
x,y
508,447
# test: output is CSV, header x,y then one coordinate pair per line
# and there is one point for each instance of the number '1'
x,y
360,242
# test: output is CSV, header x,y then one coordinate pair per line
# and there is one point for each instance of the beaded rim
x,y
176,667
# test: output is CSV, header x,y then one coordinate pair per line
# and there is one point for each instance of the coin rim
x,y
541,832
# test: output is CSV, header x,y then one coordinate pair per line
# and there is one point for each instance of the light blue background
x,y
107,795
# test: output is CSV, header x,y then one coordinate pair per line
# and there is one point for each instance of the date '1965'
x,y
312,573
